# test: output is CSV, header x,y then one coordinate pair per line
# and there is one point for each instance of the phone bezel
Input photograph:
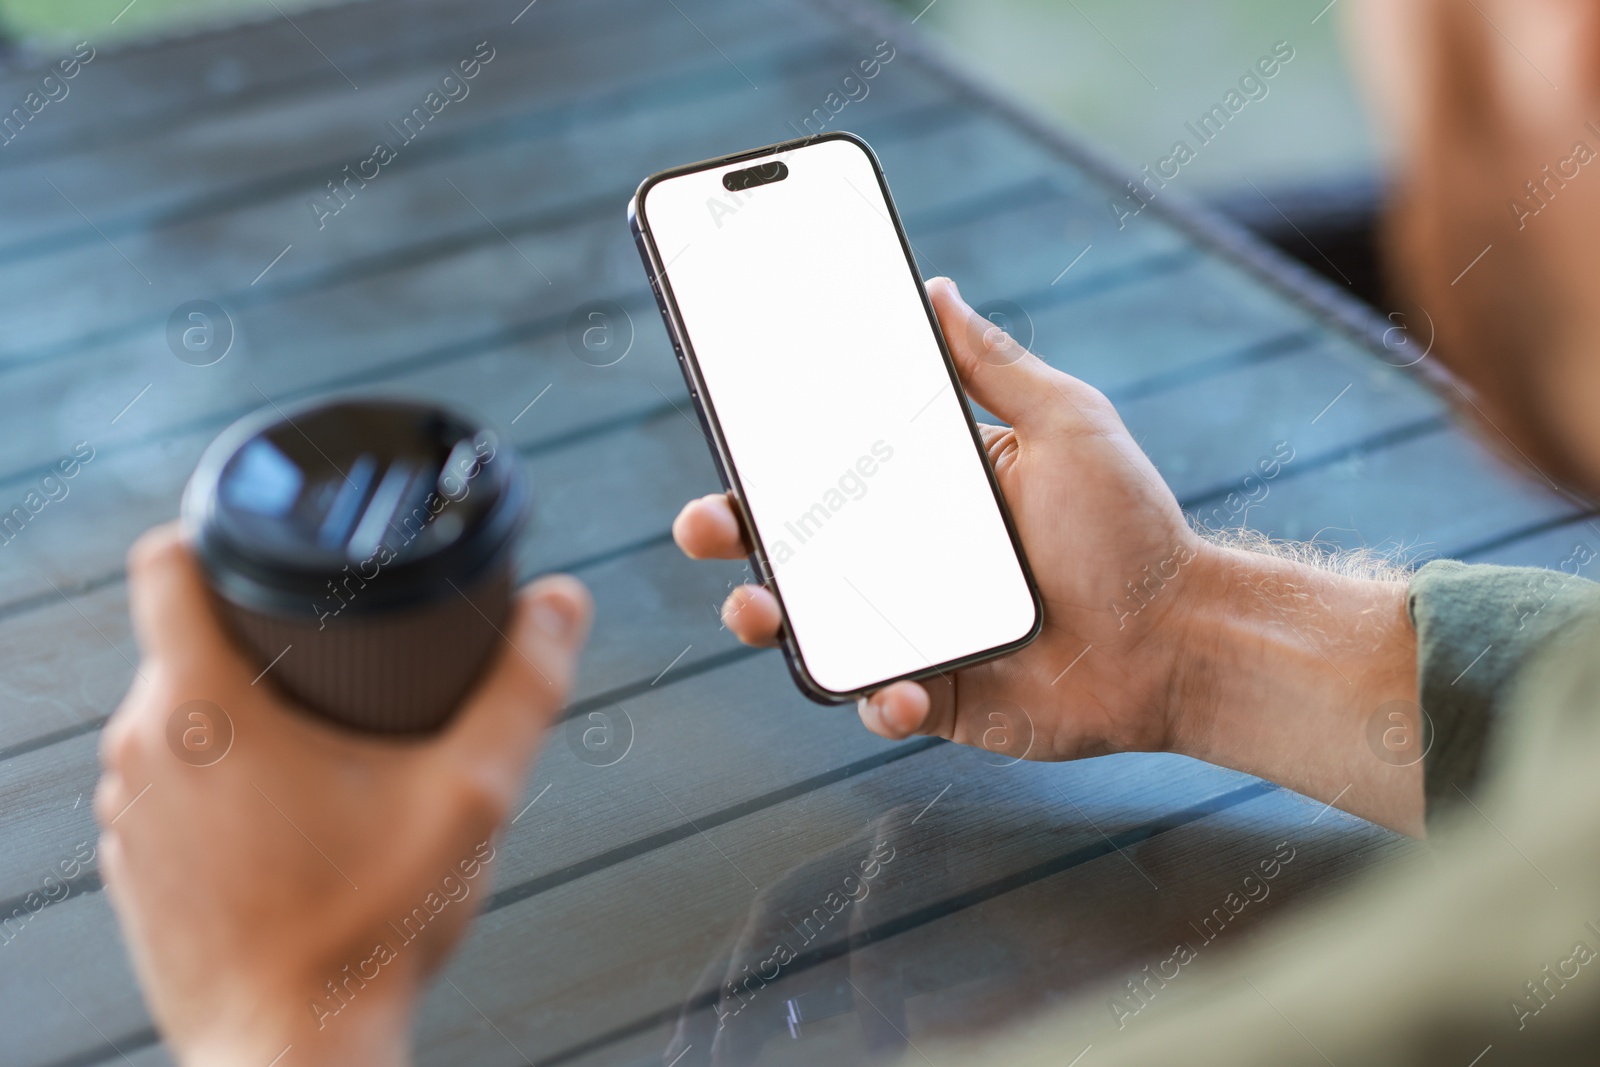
x,y
727,470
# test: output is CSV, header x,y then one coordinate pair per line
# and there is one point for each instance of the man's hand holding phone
x,y
1154,639
1093,515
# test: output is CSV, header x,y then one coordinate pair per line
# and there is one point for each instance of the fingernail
x,y
555,617
864,705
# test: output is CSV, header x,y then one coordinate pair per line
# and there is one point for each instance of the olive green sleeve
x,y
1476,628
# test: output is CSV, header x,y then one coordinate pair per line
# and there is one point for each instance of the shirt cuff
x,y
1477,626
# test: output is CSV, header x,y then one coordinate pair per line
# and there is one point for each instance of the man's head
x,y
1493,228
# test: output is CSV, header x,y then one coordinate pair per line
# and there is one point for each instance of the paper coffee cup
x,y
362,551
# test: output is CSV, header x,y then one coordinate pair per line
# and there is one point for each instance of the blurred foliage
x,y
42,23
1130,73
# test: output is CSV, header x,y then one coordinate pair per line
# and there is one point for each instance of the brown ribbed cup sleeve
x,y
397,672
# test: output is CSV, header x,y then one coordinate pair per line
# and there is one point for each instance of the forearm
x,y
1304,677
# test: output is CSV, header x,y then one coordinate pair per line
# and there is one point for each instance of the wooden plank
x,y
1207,436
921,911
441,204
292,147
1018,955
593,253
1572,545
1019,828
78,948
58,675
1370,499
1141,337
175,67
462,301
142,88
1061,215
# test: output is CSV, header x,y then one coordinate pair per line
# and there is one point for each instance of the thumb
x,y
528,682
997,372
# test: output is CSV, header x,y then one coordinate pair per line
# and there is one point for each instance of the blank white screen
x,y
846,434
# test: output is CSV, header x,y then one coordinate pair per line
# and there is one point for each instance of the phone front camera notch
x,y
761,174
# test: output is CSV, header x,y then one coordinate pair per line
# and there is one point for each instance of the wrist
x,y
1281,665
372,1028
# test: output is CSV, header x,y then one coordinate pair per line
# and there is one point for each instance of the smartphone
x,y
832,407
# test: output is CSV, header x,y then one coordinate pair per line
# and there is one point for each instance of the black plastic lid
x,y
398,501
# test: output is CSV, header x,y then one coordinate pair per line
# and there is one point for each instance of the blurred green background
x,y
1130,73
46,22
1127,73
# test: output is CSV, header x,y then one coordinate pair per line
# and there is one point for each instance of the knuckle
x,y
109,799
119,744
1082,406
479,797
155,549
1083,396
1093,398
547,675
1008,347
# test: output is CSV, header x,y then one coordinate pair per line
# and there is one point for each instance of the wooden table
x,y
186,170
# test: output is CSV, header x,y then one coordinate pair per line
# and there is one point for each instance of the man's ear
x,y
1536,62
1488,227
1544,58
1586,24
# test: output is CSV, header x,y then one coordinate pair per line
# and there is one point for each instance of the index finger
x,y
173,619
